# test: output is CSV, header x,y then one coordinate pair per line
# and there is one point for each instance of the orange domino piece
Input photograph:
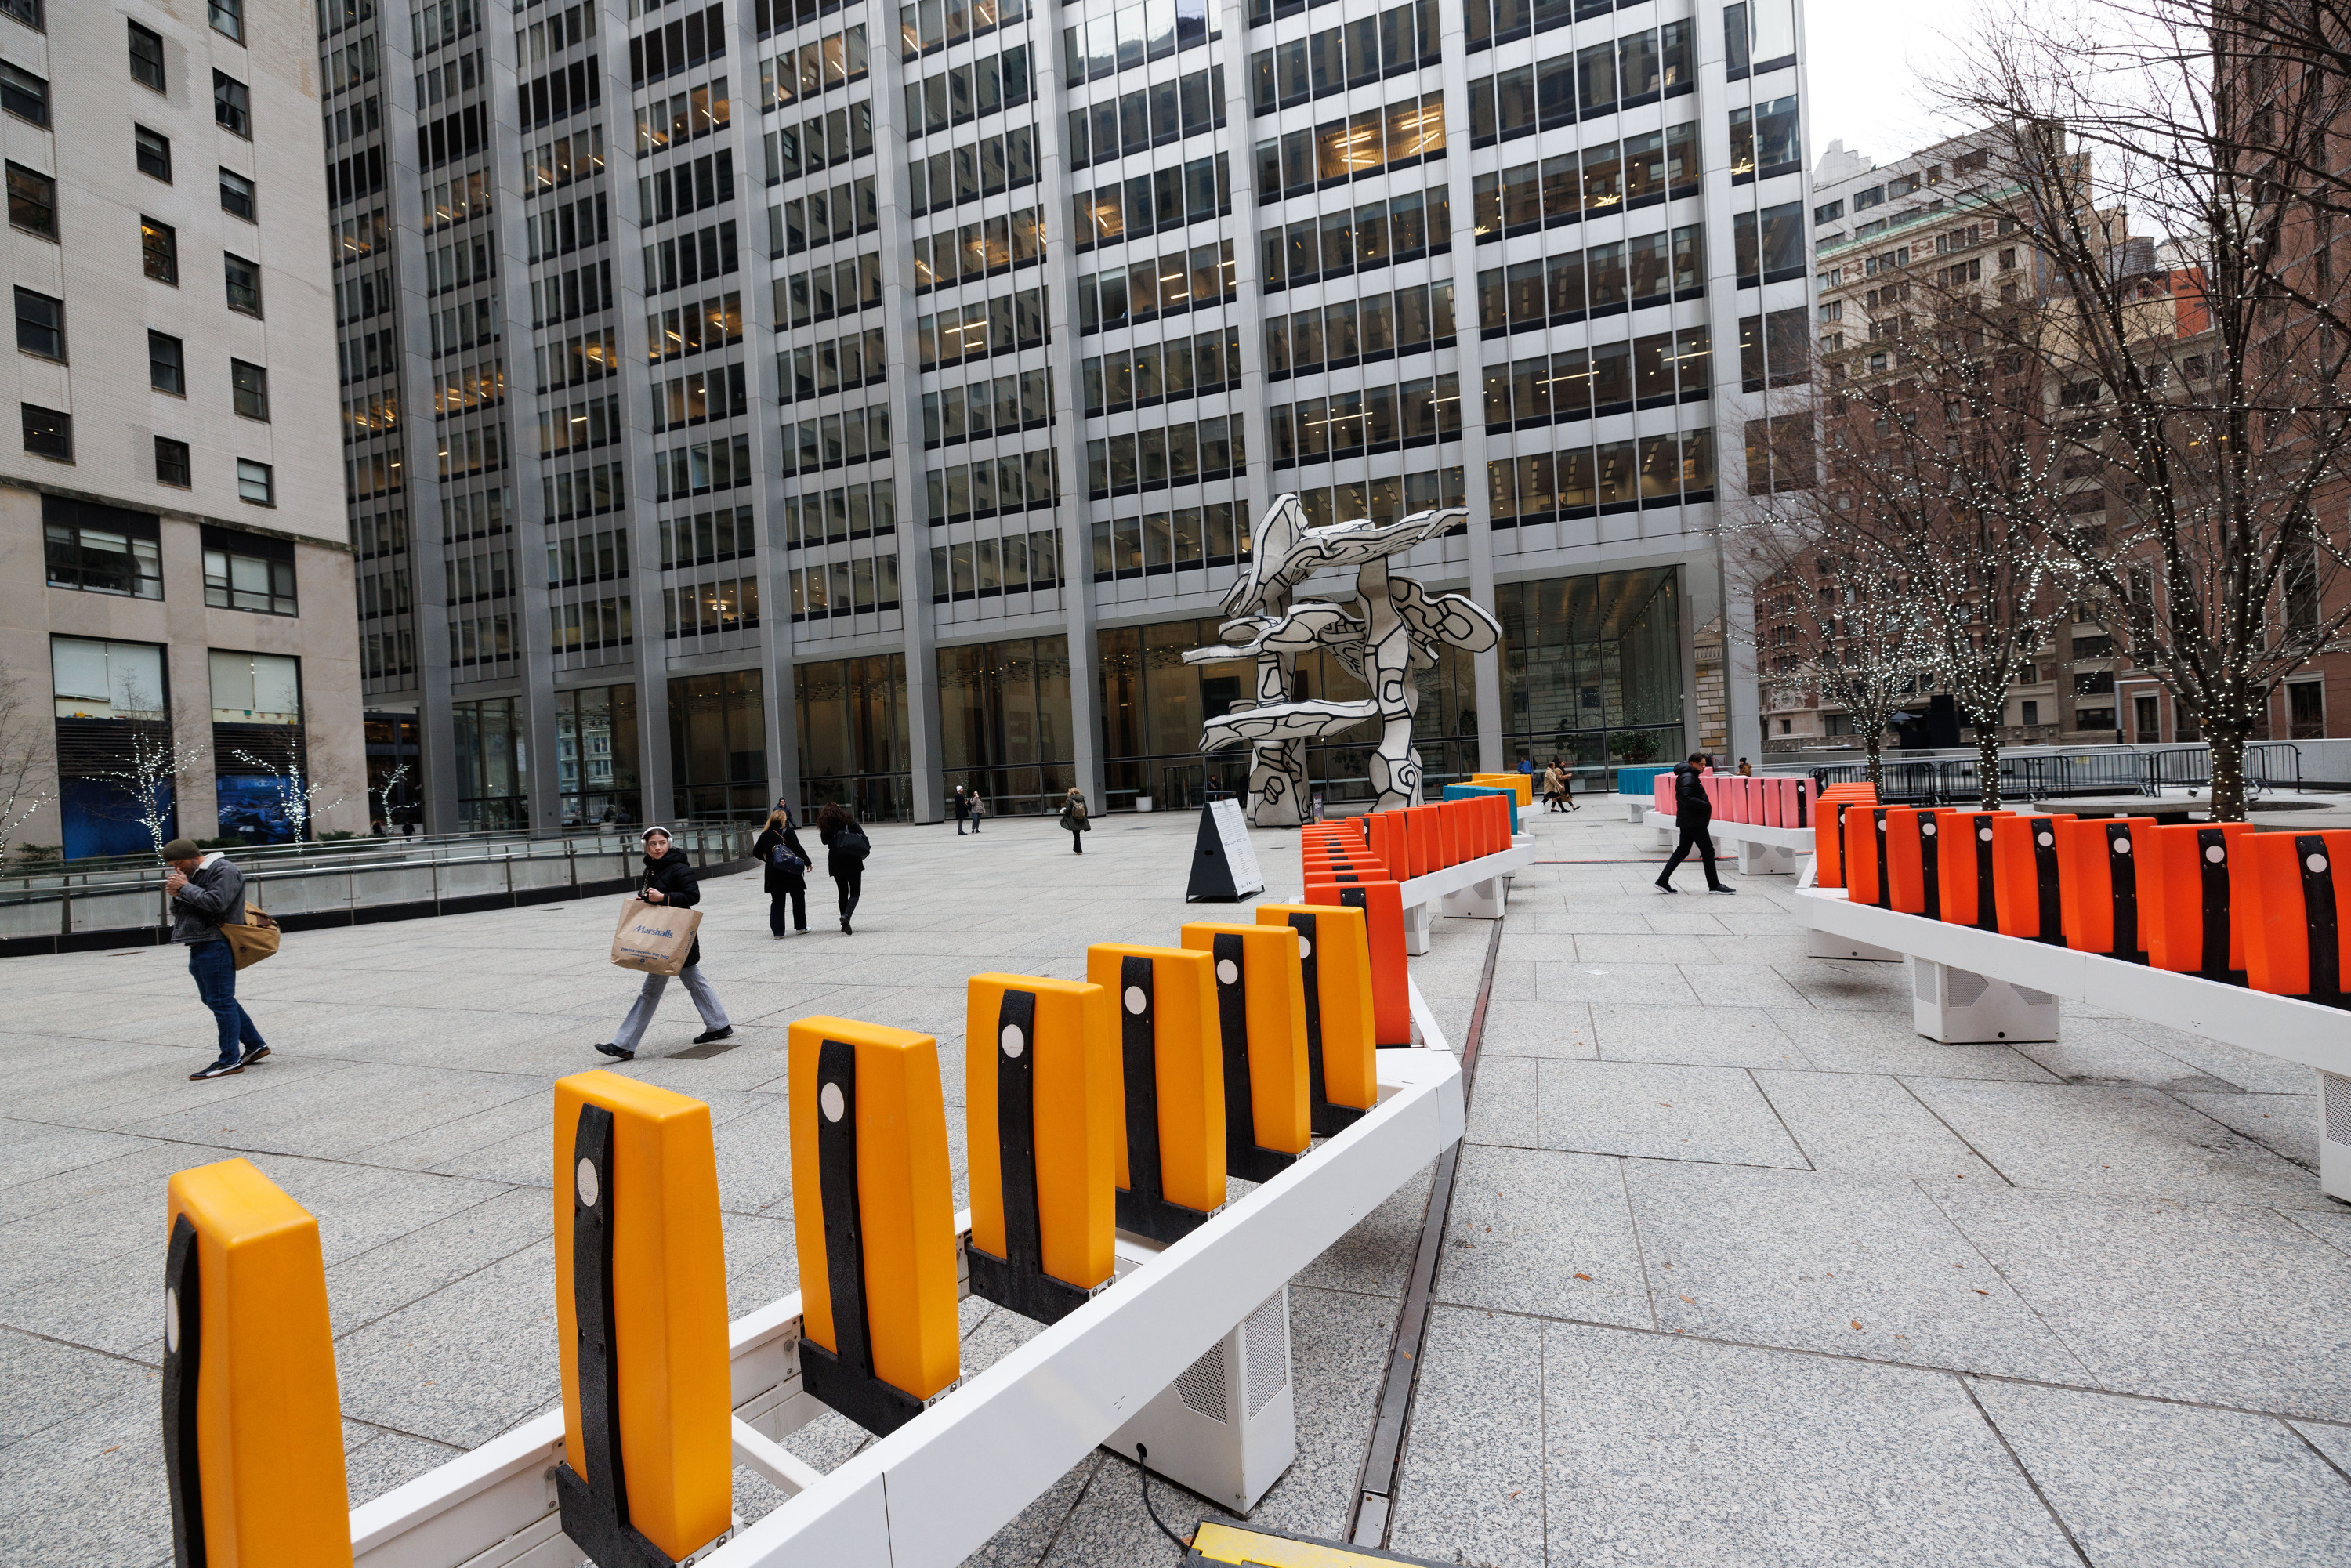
x,y
2100,892
1828,832
1335,954
2301,914
1383,834
2195,893
1864,855
1383,906
1964,872
1910,865
1421,838
2028,877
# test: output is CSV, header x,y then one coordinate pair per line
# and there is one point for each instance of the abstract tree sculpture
x,y
1386,639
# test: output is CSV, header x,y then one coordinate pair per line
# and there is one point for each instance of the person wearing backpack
x,y
846,849
206,893
669,880
783,867
1073,819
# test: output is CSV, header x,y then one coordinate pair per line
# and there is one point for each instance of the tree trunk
x,y
1987,766
2228,774
1876,770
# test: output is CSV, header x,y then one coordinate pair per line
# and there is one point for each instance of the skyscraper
x,y
767,399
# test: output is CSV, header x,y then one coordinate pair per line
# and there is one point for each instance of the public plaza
x,y
1739,1270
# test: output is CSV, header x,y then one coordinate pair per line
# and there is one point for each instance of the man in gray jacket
x,y
207,893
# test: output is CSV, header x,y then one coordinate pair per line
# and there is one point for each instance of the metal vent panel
x,y
1201,1385
2336,1101
1265,1352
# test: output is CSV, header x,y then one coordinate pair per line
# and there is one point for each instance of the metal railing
x,y
2052,775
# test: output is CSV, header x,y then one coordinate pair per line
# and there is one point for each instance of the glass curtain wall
x,y
1004,722
1153,706
1592,670
719,746
493,756
853,745
596,755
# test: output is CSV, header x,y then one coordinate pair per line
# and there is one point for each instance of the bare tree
x,y
392,777
298,791
24,753
2218,375
153,766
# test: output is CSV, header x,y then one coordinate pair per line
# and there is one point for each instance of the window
x,y
100,550
146,58
236,195
1865,200
228,18
40,325
255,688
166,364
25,11
244,284
153,153
2306,702
245,572
172,462
257,482
32,201
23,95
160,244
250,384
231,105
48,433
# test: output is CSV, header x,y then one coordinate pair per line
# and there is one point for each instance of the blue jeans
x,y
214,967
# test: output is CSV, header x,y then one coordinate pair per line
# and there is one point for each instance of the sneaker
x,y
1722,890
615,1052
845,931
1665,887
707,1036
215,1070
254,1055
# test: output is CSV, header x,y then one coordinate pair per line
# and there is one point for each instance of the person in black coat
x,y
846,848
1693,813
784,872
669,879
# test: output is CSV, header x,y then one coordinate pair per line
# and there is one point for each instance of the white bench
x,y
1975,986
935,1491
1763,850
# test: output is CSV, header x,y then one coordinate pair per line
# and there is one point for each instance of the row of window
x,y
702,256
577,626
1490,22
1417,412
929,25
697,540
990,247
1146,290
967,92
94,548
367,355
1364,330
1650,372
714,323
569,295
1169,198
1153,373
562,30
686,187
581,426
551,165
1383,500
569,361
1153,542
988,167
844,287
982,409
467,196
469,387
984,327
595,558
1612,75
377,414
1133,35
481,449
810,446
26,96
819,142
560,93
455,74
1609,177
1402,227
356,119
1154,115
681,118
359,298
697,397
363,235
818,66
1017,482
841,512
1154,459
722,462
159,247
844,587
50,432
459,326
584,492
823,217
1602,280
990,567
1314,157
480,574
681,46
730,604
1389,43
1613,476
837,363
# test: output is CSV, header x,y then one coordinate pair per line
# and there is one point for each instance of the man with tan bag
x,y
658,936
206,892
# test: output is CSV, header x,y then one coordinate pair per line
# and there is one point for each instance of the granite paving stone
x,y
1533,1230
2286,1125
1662,1112
1471,1485
1869,1125
1516,1028
1694,1036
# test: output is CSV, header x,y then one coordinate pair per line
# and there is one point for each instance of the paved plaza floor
x,y
1739,1270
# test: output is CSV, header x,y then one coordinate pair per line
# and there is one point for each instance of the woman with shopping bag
x,y
655,924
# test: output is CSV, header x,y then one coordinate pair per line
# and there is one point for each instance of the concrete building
x,y
745,401
179,574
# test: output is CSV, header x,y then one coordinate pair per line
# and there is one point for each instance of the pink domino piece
x,y
1663,788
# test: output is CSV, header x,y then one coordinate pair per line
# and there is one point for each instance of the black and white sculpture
x,y
1386,639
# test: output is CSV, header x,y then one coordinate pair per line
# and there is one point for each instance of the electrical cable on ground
x,y
1143,1473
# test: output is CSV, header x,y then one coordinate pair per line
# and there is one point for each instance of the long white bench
x,y
1975,986
1472,890
1763,850
933,1492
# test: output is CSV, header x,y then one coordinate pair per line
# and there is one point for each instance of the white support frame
x,y
2284,1027
936,1491
1475,889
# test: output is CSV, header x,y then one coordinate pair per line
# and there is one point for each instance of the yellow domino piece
x,y
1342,998
1190,1070
1276,1012
1073,1047
265,1429
904,1198
669,1306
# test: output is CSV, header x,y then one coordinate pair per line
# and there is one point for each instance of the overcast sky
x,y
1865,60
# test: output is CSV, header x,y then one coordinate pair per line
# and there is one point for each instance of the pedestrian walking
x,y
962,809
207,892
1554,788
1073,819
1693,813
669,880
1566,784
846,847
783,868
1746,768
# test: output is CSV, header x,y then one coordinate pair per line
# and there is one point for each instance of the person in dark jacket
x,y
962,803
207,893
1073,818
1693,813
846,848
669,879
784,872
